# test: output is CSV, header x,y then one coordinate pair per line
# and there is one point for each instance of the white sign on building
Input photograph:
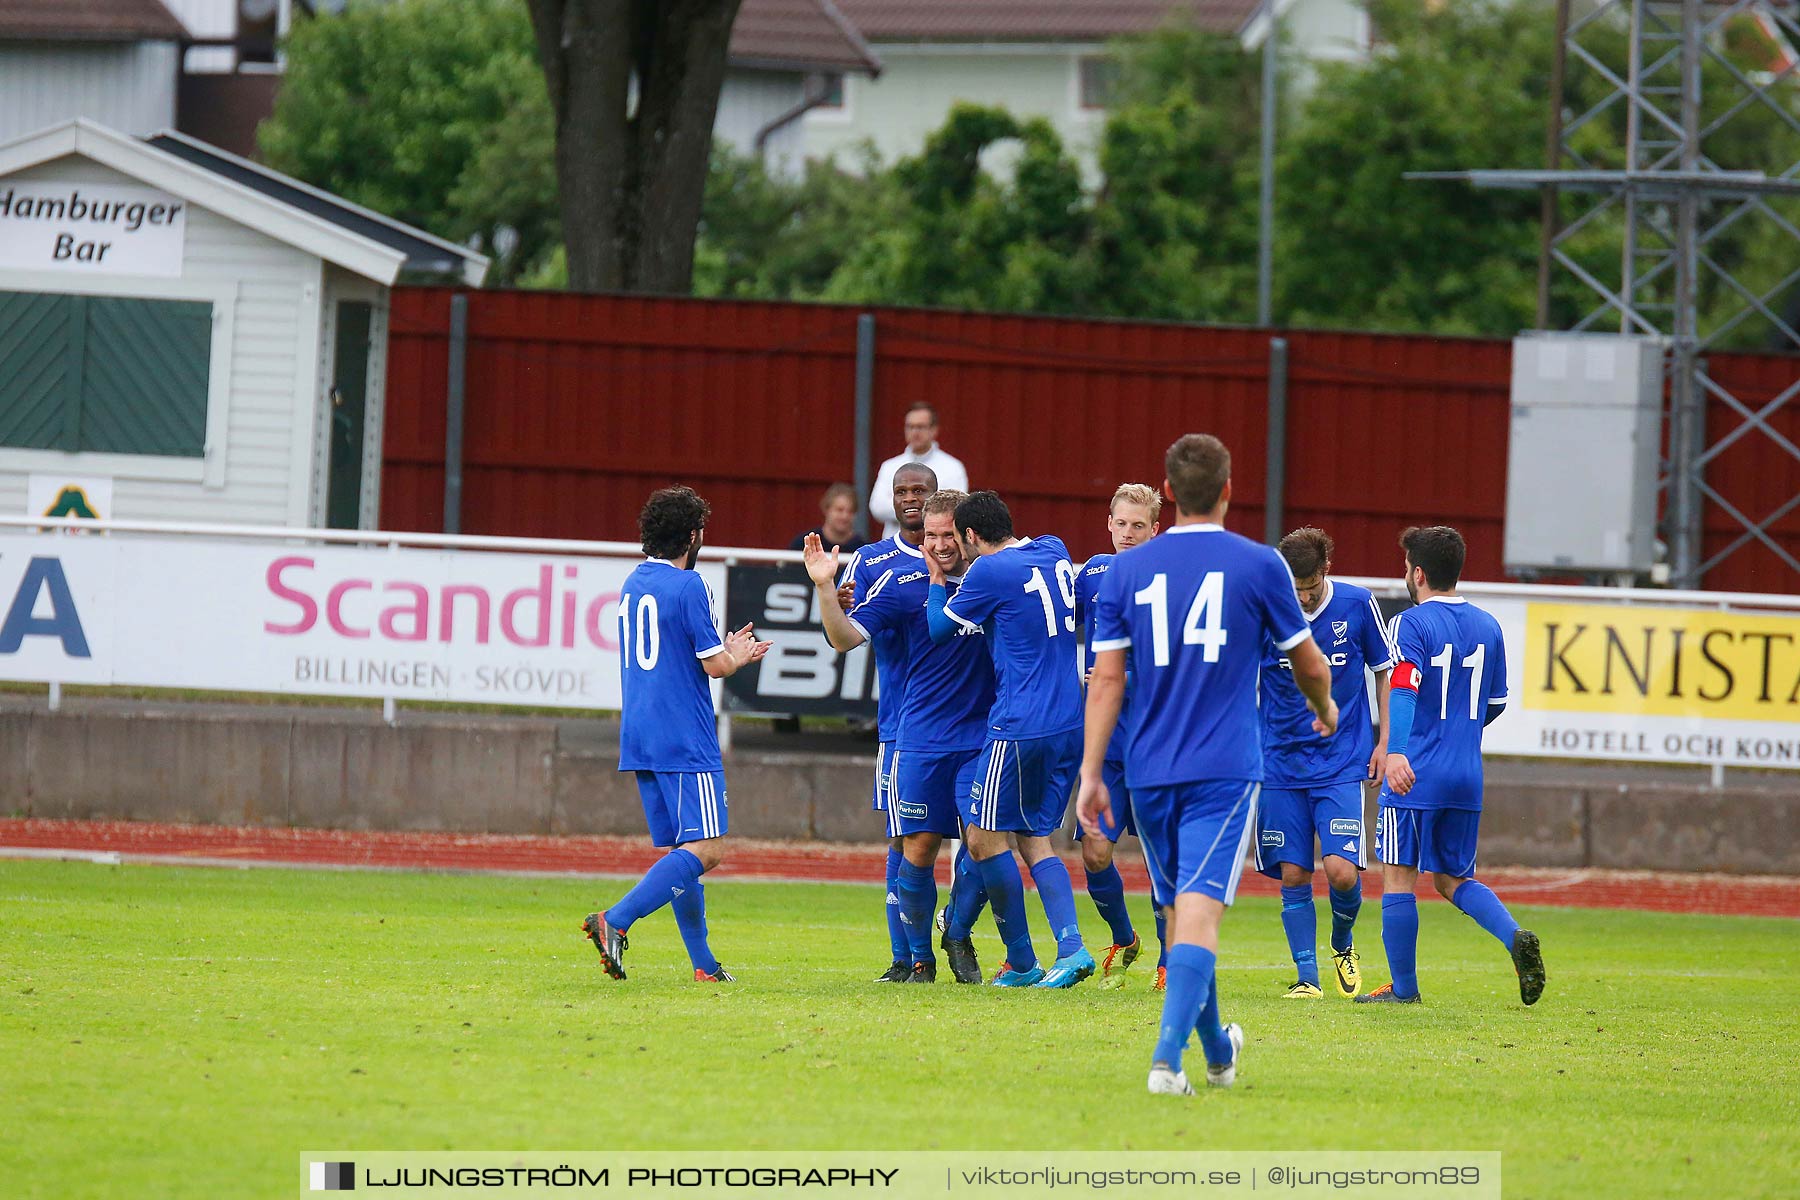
x,y
92,229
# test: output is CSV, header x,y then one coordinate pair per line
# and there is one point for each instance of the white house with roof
x,y
213,68
1042,58
191,335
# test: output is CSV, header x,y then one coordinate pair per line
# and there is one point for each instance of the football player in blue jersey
x,y
949,690
1449,685
1314,785
1022,592
913,482
1187,614
1131,520
668,650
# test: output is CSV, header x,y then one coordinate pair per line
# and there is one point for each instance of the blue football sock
x,y
1400,937
690,918
896,928
918,903
1190,982
1213,1039
1006,895
1162,933
673,874
1344,907
1057,892
968,896
1302,926
1478,901
1107,890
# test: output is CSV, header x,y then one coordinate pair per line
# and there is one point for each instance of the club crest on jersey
x,y
1340,630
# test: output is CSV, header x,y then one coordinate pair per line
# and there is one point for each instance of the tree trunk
x,y
630,176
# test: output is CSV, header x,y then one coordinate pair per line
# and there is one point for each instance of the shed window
x,y
106,374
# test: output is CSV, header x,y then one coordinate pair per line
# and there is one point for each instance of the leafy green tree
x,y
397,106
776,238
965,238
1463,86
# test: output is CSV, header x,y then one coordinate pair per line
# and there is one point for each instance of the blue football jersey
x,y
1350,633
1455,655
867,565
665,629
949,685
1192,609
1087,590
1024,596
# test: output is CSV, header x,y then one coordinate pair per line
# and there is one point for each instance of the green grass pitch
x,y
208,1025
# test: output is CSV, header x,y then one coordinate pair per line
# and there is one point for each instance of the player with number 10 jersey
x,y
669,649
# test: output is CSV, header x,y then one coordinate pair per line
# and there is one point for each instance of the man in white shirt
x,y
921,447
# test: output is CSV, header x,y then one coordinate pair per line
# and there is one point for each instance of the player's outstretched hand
x,y
821,564
1326,724
744,648
1092,801
1400,776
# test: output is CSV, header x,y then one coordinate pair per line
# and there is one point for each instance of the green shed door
x,y
104,374
145,376
40,369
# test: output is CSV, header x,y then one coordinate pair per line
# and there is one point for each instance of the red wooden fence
x,y
578,406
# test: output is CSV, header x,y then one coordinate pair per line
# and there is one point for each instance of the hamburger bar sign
x,y
90,229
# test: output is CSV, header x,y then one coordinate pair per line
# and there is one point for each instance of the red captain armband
x,y
1406,676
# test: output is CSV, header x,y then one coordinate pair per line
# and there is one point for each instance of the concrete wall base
x,y
345,769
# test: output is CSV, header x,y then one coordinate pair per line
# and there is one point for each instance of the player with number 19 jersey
x,y
1193,608
1025,596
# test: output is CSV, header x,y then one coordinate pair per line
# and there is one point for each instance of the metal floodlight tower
x,y
1670,201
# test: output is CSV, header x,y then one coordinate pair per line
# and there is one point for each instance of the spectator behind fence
x,y
838,505
921,447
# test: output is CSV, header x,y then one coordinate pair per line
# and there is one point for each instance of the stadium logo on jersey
x,y
880,558
1274,837
916,575
1345,827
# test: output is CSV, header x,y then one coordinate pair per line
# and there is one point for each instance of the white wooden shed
x,y
201,338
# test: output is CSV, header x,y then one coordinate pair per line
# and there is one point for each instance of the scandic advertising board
x,y
337,621
1630,681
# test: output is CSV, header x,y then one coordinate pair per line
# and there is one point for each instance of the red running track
x,y
815,862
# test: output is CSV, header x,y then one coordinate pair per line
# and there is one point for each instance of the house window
x,y
1099,81
832,85
104,374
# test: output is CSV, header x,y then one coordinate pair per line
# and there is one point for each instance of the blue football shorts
x,y
927,789
1288,818
684,806
884,766
1024,787
1195,836
1440,840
